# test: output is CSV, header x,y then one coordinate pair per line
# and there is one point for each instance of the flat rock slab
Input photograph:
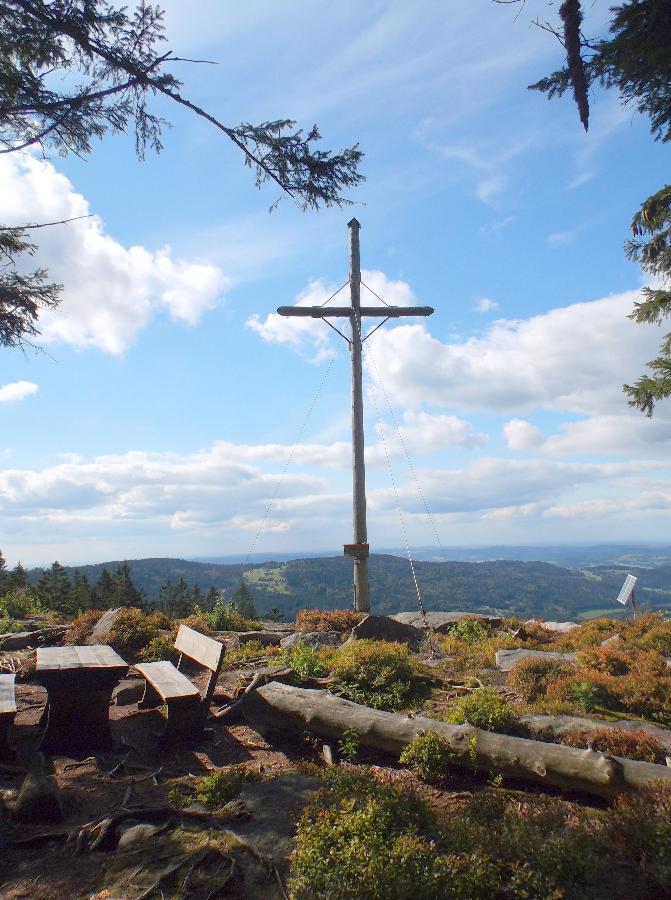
x,y
508,659
559,627
314,639
556,726
443,621
384,628
272,809
103,626
267,638
22,640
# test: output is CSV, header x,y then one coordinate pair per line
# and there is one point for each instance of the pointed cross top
x,y
354,223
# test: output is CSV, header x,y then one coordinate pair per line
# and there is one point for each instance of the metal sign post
x,y
627,592
358,550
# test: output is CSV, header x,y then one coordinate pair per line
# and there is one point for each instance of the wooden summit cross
x,y
355,312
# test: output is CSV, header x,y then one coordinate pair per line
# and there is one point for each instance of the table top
x,y
97,657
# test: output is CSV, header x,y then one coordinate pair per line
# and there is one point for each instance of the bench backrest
x,y
202,649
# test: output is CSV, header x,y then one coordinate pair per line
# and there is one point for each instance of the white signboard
x,y
627,588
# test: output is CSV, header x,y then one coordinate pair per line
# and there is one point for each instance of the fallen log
x,y
567,768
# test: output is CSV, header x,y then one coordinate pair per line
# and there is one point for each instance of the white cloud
x,y
422,433
574,358
17,390
522,435
311,336
486,305
110,291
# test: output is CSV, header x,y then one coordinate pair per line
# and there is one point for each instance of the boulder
x,y
508,659
20,640
559,627
314,639
611,640
39,798
271,810
267,638
134,833
128,691
443,621
103,626
384,628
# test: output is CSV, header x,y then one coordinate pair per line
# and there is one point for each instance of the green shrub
x,y
631,744
428,756
348,745
532,677
484,708
473,631
19,603
304,660
375,673
132,630
250,650
589,696
360,838
10,626
159,648
218,788
225,617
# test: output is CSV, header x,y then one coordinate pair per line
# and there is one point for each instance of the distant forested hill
x,y
521,588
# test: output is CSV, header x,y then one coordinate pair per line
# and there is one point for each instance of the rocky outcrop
x,y
314,639
384,628
443,621
508,659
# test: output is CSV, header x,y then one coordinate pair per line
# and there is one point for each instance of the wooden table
x,y
79,683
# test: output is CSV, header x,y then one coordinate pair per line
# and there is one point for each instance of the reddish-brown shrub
x,y
82,627
198,622
631,744
588,634
607,660
326,620
532,677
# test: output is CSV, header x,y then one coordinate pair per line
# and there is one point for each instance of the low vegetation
x,y
631,744
342,620
132,631
383,841
306,661
376,673
428,756
484,708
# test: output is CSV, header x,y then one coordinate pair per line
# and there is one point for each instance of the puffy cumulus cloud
x,y
630,434
311,336
574,359
522,435
422,433
17,390
110,291
491,483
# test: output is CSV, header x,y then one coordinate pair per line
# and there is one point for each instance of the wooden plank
x,y
67,658
7,695
199,647
167,680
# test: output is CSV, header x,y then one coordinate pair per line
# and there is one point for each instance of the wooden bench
x,y
7,712
166,685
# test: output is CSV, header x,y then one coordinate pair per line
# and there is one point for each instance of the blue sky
x,y
170,397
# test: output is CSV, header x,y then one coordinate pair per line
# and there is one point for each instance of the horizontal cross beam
x,y
344,312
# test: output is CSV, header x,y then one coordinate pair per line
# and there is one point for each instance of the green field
x,y
269,579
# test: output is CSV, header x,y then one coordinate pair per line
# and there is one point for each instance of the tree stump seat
x,y
166,685
7,711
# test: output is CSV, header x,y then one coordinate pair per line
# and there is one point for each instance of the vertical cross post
x,y
358,551
361,594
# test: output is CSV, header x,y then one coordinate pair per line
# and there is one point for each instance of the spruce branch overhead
x,y
114,71
635,60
